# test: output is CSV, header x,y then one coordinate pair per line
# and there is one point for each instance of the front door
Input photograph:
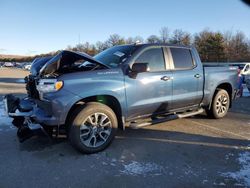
x,y
149,92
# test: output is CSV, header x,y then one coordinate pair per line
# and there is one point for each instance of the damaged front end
x,y
21,110
36,112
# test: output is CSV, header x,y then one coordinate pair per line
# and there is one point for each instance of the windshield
x,y
115,56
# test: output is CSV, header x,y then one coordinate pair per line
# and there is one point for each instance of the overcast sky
x,y
29,27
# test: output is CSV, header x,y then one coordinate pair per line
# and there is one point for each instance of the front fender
x,y
95,83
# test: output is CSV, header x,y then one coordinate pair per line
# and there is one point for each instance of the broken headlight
x,y
49,85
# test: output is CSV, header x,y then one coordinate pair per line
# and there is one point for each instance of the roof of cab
x,y
157,44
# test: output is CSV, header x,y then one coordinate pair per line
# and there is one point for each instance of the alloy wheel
x,y
221,104
95,130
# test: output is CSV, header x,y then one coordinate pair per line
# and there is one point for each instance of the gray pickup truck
x,y
88,98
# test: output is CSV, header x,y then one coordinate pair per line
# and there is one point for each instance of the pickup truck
x,y
88,98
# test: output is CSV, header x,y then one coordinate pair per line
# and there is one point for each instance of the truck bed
x,y
214,75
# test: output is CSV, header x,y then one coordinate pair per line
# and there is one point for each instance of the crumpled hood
x,y
38,63
66,58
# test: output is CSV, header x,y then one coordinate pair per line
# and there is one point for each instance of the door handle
x,y
197,76
165,78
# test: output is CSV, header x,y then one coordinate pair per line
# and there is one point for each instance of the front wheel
x,y
220,104
92,128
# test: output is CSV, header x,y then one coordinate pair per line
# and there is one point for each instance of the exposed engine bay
x,y
67,62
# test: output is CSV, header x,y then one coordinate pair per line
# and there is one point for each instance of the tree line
x,y
212,46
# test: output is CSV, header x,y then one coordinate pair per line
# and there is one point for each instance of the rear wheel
x,y
93,127
220,104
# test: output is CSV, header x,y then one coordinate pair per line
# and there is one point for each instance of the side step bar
x,y
136,125
193,113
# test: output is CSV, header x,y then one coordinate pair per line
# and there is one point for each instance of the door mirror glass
x,y
140,67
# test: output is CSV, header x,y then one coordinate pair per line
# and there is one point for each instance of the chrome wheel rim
x,y
95,130
221,104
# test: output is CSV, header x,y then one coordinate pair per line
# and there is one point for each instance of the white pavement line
x,y
217,129
199,143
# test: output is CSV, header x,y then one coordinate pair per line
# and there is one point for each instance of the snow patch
x,y
244,173
220,184
189,171
5,121
136,168
246,93
204,181
228,156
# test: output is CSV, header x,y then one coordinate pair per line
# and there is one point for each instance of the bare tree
x,y
84,47
164,34
236,46
100,46
115,39
153,39
186,39
131,40
181,37
228,35
240,48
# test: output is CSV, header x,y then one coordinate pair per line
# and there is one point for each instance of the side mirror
x,y
140,67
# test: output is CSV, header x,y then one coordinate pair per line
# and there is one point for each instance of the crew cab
x,y
89,98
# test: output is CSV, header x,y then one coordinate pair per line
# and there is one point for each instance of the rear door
x,y
187,78
149,92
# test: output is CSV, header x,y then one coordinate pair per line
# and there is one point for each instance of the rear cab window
x,y
182,58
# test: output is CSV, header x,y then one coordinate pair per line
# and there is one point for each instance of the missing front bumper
x,y
39,111
25,114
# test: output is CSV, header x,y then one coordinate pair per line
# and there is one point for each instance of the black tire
x,y
94,131
220,104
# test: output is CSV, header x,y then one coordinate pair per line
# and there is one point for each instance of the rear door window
x,y
182,58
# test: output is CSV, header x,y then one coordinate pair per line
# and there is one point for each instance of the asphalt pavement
x,y
190,152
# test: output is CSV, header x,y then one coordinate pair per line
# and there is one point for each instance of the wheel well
x,y
108,100
228,88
